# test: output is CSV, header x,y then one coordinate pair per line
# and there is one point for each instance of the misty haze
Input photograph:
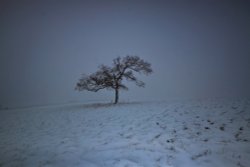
x,y
76,91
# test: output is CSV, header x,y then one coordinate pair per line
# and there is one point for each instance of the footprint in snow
x,y
126,163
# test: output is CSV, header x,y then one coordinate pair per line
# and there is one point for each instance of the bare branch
x,y
111,77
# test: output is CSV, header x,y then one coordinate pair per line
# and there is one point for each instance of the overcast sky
x,y
196,48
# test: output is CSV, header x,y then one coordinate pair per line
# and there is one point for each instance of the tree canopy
x,y
111,77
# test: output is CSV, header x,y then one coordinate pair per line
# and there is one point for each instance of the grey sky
x,y
197,48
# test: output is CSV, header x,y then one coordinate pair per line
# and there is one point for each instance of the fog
x,y
198,49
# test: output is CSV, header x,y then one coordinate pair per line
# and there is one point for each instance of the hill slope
x,y
188,134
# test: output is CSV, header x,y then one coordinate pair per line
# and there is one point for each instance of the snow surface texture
x,y
214,133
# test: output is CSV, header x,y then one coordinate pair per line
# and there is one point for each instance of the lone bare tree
x,y
111,77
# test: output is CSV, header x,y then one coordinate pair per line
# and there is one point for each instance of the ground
x,y
200,133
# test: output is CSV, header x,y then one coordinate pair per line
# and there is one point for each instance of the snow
x,y
201,133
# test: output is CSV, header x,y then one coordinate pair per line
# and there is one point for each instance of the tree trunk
x,y
116,95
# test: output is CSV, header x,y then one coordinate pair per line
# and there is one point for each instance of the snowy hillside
x,y
160,134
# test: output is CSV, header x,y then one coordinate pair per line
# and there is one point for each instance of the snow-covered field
x,y
211,133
